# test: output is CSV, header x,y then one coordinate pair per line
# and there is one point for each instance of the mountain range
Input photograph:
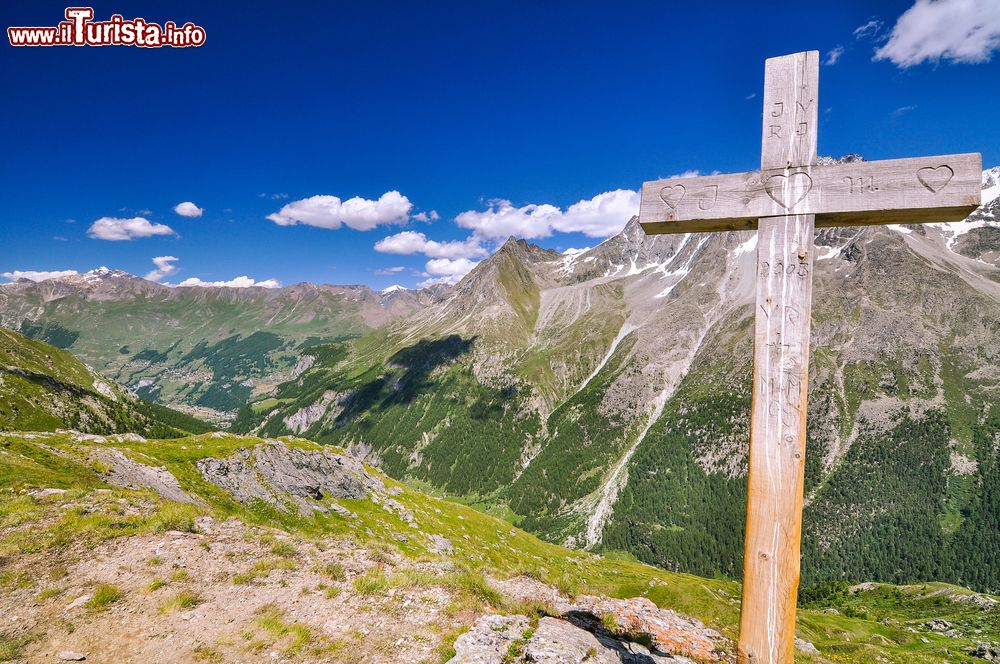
x,y
600,398
206,350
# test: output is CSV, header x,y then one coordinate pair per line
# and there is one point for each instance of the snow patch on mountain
x,y
991,184
983,216
683,271
746,247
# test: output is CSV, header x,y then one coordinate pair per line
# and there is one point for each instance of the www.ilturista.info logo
x,y
79,29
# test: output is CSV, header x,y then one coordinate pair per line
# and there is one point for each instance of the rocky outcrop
x,y
575,638
988,651
561,641
490,639
129,474
667,631
633,629
273,471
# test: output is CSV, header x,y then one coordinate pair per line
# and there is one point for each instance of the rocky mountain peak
x,y
524,251
843,159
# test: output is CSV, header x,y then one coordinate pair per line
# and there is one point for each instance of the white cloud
x,y
690,173
411,242
427,216
111,228
869,29
573,250
38,275
239,282
902,110
358,213
446,271
450,267
959,31
383,271
601,216
164,267
501,219
188,209
833,55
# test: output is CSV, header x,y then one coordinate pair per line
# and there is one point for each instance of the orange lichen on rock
x,y
670,632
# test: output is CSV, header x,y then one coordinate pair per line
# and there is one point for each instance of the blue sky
x,y
455,123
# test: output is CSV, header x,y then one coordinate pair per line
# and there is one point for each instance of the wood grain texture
x,y
785,201
791,103
777,439
780,379
894,191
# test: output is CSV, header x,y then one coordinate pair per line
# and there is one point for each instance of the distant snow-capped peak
x,y
393,289
991,184
104,273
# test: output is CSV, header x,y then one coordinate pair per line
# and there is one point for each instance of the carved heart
x,y
788,190
672,195
935,179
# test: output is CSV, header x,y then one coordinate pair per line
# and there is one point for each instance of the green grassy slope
x,y
882,622
43,388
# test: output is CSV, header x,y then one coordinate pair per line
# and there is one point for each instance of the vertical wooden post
x,y
894,191
781,369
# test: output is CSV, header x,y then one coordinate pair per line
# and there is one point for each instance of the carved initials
x,y
790,312
861,184
780,108
779,268
775,131
709,196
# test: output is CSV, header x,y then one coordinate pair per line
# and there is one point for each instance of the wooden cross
x,y
784,202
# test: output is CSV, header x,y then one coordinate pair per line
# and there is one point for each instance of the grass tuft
x,y
105,594
206,653
334,571
261,569
371,583
176,516
185,599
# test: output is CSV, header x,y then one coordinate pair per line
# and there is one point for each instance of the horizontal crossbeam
x,y
893,191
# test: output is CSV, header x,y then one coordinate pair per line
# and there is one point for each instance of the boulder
x,y
273,470
560,642
489,640
988,651
129,474
669,632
